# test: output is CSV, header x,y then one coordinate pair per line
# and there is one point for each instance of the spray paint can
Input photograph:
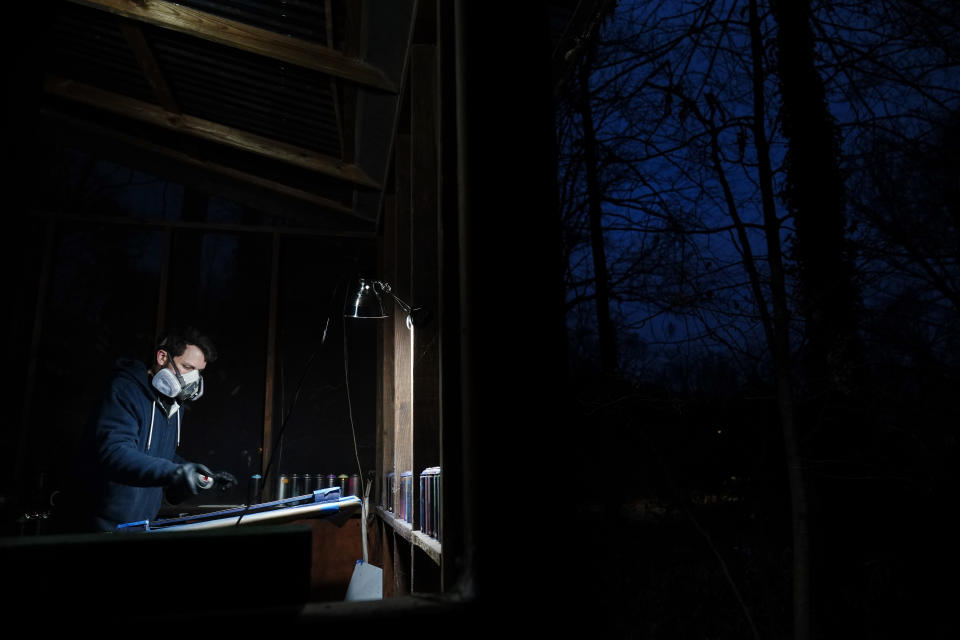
x,y
285,487
406,496
353,485
298,484
387,498
424,501
437,503
430,501
253,489
331,480
204,482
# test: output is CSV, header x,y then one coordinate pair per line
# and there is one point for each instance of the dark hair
x,y
175,343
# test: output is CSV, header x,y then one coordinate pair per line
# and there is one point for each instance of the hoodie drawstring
x,y
153,412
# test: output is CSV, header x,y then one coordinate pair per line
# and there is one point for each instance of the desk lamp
x,y
367,303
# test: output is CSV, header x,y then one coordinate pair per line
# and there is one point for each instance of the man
x,y
127,454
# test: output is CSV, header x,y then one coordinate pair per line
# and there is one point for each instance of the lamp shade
x,y
365,303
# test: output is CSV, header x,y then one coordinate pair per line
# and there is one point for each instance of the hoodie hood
x,y
136,371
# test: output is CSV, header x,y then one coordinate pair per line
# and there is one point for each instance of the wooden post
x,y
403,379
424,272
511,366
447,312
387,421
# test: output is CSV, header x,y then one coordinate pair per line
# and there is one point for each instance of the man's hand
x,y
186,479
224,480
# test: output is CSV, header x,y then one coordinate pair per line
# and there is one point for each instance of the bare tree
x,y
606,335
815,195
738,149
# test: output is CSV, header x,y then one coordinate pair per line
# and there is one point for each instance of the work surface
x,y
323,503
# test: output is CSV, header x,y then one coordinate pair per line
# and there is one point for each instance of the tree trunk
x,y
815,194
605,332
780,349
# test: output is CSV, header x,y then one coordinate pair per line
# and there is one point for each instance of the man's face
x,y
191,359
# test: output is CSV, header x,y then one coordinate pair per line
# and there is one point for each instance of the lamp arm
x,y
400,302
385,287
415,317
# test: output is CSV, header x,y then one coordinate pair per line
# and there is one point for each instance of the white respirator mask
x,y
182,388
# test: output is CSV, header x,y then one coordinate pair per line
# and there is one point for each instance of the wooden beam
x,y
348,94
182,158
238,35
213,227
182,123
148,63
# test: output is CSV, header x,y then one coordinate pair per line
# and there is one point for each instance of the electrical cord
x,y
346,380
353,431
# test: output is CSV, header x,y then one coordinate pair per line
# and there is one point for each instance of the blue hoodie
x,y
128,452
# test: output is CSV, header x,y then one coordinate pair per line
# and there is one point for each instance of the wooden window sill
x,y
429,545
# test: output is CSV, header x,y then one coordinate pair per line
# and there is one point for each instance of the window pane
x,y
100,306
220,283
319,438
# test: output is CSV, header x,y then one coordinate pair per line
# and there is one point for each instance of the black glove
x,y
186,481
224,480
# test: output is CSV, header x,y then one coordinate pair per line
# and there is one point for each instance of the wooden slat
x,y
148,63
182,123
238,35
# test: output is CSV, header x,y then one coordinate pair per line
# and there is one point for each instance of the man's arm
x,y
118,432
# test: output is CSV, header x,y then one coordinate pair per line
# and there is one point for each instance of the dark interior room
x,y
241,168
